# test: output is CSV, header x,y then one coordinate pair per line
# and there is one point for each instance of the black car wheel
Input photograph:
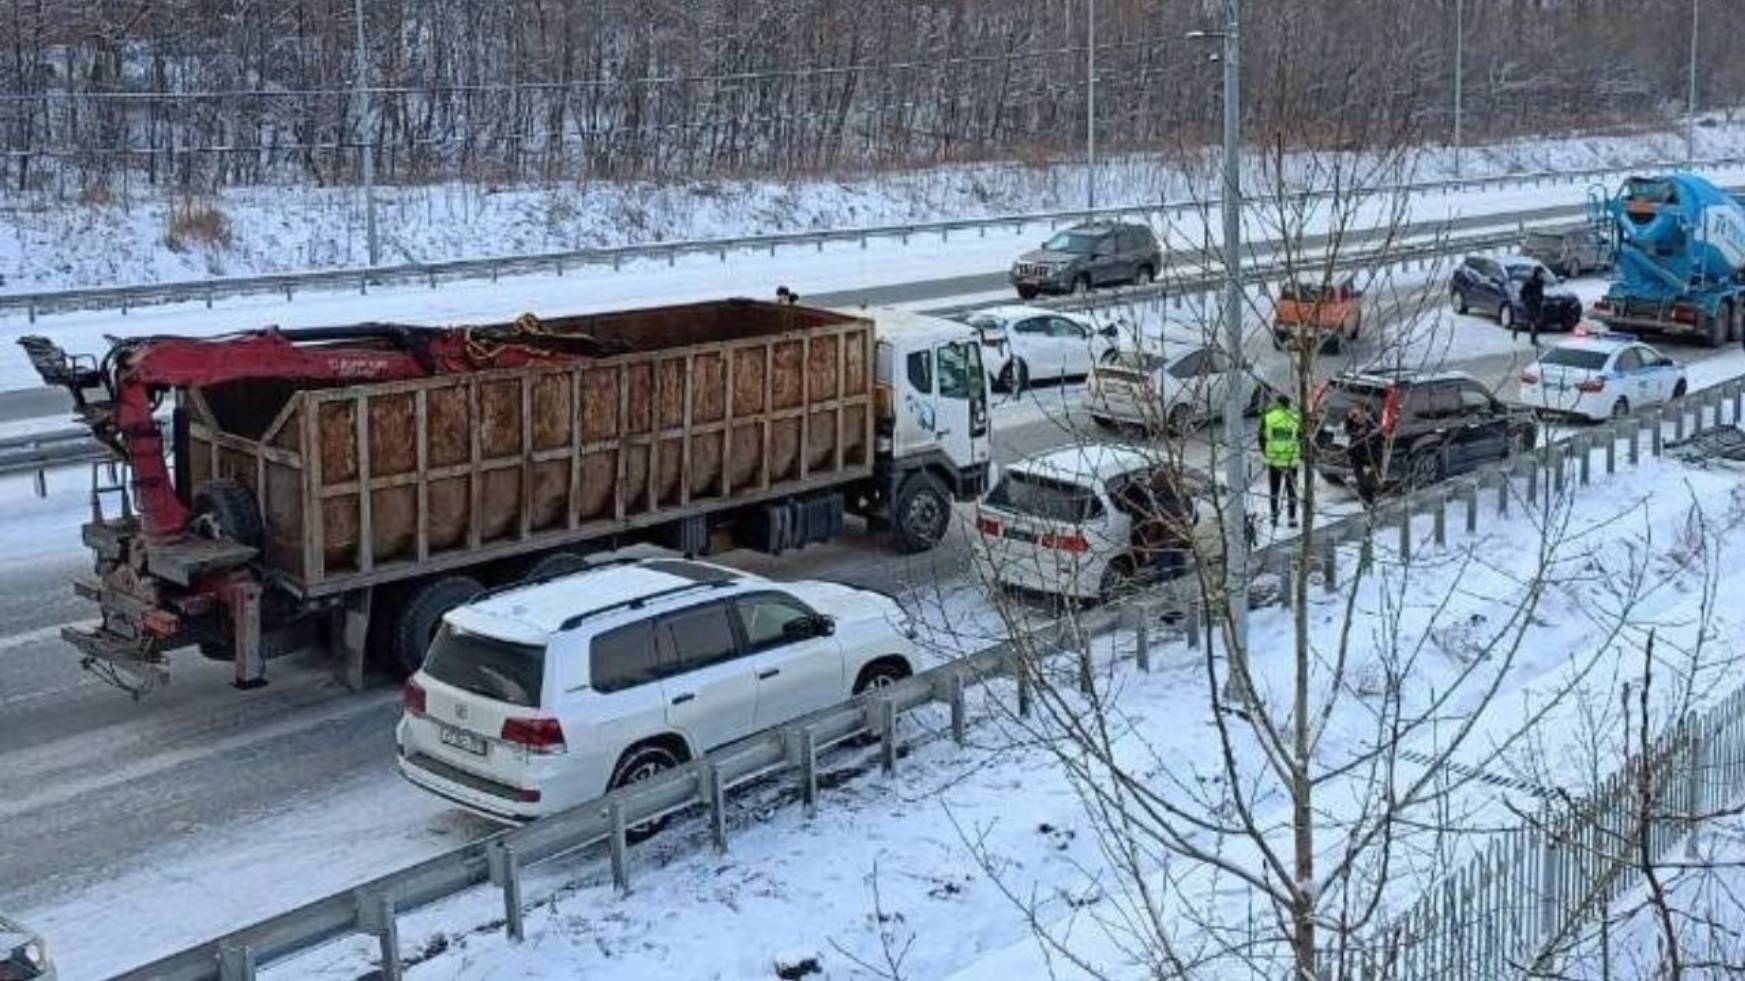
x,y
1146,276
1679,389
1459,300
1081,284
1027,292
1620,408
1506,315
1015,377
1424,470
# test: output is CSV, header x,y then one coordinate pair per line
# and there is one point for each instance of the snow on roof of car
x,y
531,614
1600,342
1098,461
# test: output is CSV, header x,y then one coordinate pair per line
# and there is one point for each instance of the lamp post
x,y
1690,120
1459,77
363,126
1236,457
1090,106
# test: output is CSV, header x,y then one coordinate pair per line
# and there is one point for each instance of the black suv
x,y
1089,255
1433,425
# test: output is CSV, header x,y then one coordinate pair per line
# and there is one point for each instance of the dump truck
x,y
351,485
1680,257
1332,311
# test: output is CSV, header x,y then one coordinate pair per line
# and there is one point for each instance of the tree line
x,y
204,93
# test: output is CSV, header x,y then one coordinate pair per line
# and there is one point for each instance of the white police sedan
x,y
1599,376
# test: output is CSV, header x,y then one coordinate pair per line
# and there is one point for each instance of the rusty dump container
x,y
715,405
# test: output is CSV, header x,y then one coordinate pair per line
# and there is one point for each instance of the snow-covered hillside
x,y
127,233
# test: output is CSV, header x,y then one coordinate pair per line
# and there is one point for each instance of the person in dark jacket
x,y
1532,305
1364,439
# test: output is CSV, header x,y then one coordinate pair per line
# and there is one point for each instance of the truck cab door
x,y
943,403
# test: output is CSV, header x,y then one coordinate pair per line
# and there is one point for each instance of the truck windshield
x,y
1055,500
1071,242
959,367
495,669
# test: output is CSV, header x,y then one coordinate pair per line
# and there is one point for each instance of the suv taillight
x,y
413,693
1390,410
541,735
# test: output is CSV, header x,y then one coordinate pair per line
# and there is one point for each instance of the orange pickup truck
x,y
1333,311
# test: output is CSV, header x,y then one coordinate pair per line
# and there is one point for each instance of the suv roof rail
x,y
638,602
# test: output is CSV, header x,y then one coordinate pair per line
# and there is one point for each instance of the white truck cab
x,y
934,434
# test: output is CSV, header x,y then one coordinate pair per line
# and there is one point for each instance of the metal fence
x,y
1438,928
123,298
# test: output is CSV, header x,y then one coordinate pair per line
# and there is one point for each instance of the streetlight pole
x,y
1690,121
1459,76
363,101
1090,105
1235,443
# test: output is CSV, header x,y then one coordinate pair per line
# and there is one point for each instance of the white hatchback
x,y
1599,376
1023,344
544,696
1063,523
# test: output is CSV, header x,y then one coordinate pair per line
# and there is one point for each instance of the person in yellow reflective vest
x,y
1280,444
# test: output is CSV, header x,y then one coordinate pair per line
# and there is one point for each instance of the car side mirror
x,y
806,628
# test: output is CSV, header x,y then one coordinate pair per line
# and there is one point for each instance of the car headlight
x,y
35,953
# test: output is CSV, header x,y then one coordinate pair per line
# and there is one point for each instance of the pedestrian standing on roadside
x,y
1532,305
1363,440
1280,433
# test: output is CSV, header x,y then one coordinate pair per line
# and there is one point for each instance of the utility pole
x,y
1459,77
1690,122
1090,105
1235,441
363,128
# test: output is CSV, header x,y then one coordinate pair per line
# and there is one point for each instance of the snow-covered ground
x,y
930,867
48,243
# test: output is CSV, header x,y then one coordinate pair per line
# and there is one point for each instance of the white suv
x,y
544,696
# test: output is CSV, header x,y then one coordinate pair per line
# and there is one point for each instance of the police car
x,y
1599,376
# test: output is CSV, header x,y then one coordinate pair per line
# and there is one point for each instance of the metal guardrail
x,y
124,298
39,453
371,908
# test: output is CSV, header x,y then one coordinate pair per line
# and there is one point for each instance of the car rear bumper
x,y
482,796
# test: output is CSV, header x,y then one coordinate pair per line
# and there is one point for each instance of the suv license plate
x,y
461,739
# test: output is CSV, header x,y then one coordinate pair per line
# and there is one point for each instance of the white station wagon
x,y
547,695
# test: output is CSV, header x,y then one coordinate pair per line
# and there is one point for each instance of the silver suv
x,y
1087,256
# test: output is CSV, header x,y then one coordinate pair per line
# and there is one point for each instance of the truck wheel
x,y
922,512
232,510
1719,325
408,630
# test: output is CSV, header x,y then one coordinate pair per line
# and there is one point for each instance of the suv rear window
x,y
1055,500
1340,398
1574,357
496,669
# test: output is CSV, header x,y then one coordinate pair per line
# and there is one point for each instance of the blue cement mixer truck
x,y
1680,259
